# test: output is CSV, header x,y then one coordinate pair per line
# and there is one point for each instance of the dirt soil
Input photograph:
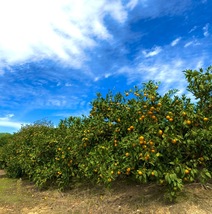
x,y
21,197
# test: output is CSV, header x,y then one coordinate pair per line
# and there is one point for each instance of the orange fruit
x,y
187,171
139,172
171,119
141,142
119,173
201,159
184,114
153,117
160,132
152,98
205,119
188,122
151,143
141,138
128,169
127,154
174,141
168,117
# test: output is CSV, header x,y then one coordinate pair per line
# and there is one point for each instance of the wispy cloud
x,y
167,66
193,29
175,42
206,30
153,52
7,121
132,3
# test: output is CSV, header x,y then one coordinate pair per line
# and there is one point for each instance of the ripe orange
x,y
153,117
174,141
184,114
168,117
187,171
119,120
127,154
139,172
160,132
171,119
151,143
153,174
141,138
152,98
128,169
119,173
188,122
147,157
109,179
141,142
159,104
205,119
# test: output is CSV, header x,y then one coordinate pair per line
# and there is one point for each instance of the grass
x,y
20,196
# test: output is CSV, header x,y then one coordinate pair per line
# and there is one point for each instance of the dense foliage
x,y
4,139
138,135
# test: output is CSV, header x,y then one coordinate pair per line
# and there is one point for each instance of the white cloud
x,y
153,52
188,44
131,4
62,29
175,42
205,30
7,122
193,29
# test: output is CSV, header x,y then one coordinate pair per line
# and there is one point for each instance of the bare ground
x,y
21,197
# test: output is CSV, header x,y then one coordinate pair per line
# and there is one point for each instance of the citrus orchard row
x,y
137,135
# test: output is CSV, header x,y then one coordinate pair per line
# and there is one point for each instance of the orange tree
x,y
166,139
4,139
139,134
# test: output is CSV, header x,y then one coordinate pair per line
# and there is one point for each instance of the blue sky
x,y
56,55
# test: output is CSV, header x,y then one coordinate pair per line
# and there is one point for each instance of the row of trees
x,y
137,135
